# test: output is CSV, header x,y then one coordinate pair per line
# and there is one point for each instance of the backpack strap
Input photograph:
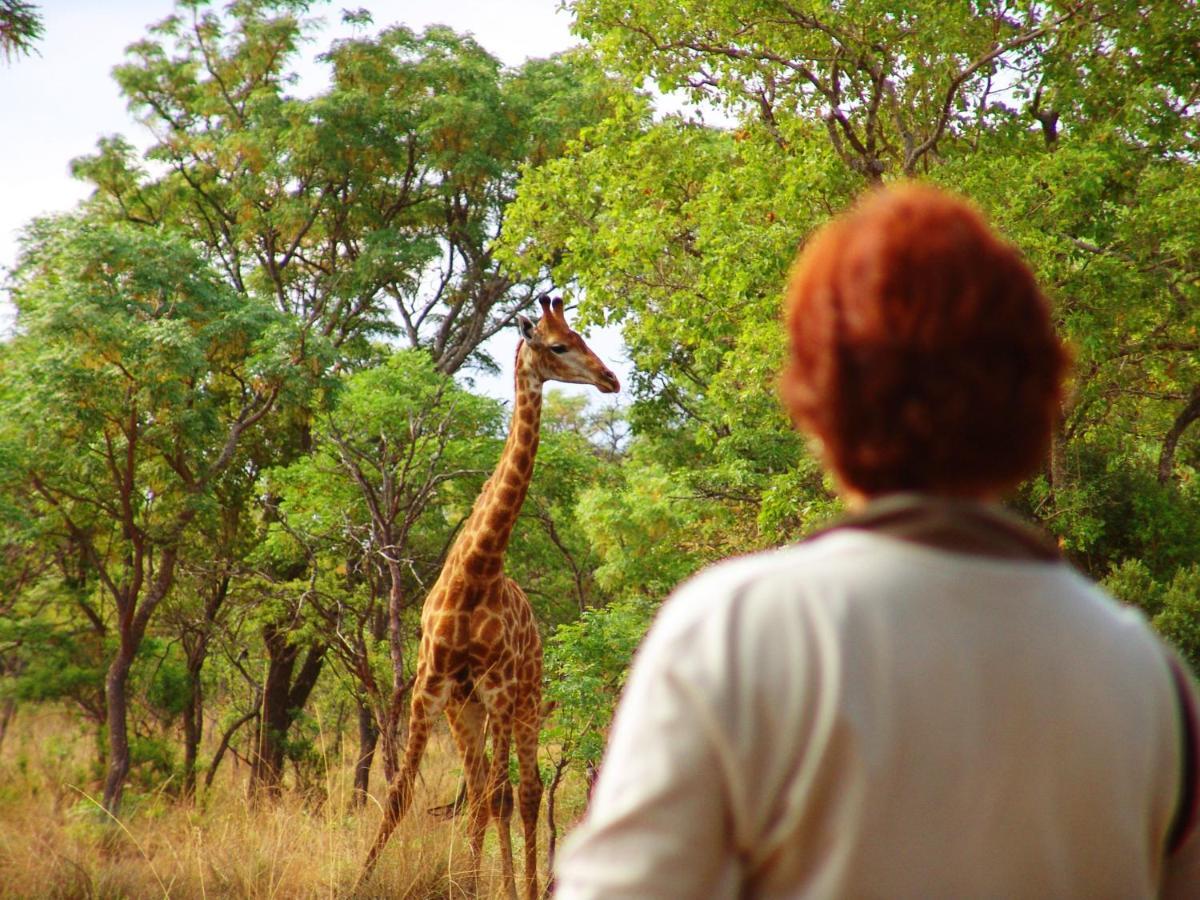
x,y
1184,821
957,526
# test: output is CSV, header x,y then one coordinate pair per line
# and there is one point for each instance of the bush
x,y
1179,620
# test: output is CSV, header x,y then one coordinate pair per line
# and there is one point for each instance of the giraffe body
x,y
480,657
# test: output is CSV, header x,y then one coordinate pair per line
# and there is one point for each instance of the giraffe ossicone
x,y
480,656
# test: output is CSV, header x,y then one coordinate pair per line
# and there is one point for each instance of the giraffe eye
x,y
559,348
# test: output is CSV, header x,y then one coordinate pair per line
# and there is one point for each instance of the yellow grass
x,y
55,841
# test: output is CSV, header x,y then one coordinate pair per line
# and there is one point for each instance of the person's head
x,y
923,356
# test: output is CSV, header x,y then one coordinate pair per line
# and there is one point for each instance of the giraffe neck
x,y
487,532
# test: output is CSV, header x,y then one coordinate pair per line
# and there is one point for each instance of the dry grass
x,y
55,841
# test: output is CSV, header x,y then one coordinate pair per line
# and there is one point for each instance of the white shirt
x,y
860,716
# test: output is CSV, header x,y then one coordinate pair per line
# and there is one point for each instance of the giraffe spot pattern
x,y
477,565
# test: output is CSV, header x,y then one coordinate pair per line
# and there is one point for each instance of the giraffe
x,y
480,656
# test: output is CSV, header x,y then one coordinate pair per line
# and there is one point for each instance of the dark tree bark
x,y
193,730
267,758
560,767
1166,457
115,684
283,698
392,738
132,619
368,738
224,745
8,709
195,645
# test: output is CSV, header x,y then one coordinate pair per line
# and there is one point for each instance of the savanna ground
x,y
57,842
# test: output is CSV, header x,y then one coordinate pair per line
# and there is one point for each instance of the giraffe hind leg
x,y
426,703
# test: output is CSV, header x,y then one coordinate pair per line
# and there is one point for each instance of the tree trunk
x,y
306,680
392,727
1058,462
8,708
282,701
1166,458
368,737
115,684
224,745
133,617
193,724
551,818
195,644
266,766
100,743
390,739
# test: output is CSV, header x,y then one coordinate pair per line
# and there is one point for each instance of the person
x,y
924,701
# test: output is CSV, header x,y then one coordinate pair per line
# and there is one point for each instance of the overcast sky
x,y
56,103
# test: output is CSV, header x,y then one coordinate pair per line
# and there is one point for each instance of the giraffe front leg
x,y
500,792
525,735
467,724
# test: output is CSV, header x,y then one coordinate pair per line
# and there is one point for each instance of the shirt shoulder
x,y
719,585
854,566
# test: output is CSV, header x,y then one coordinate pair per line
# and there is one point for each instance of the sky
x,y
56,103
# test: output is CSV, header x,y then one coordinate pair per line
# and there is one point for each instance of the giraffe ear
x,y
528,331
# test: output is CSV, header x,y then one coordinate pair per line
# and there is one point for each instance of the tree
x,y
20,27
198,612
684,233
370,509
896,90
133,355
586,664
376,199
367,210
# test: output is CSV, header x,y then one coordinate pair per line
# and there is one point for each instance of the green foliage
x,y
132,353
634,528
684,233
20,26
1131,582
164,689
366,210
153,761
550,554
586,663
53,664
1179,620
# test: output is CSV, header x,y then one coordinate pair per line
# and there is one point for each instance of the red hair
x,y
923,354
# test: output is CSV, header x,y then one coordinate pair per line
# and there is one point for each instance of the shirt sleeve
x,y
659,823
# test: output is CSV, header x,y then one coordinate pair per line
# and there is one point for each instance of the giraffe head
x,y
556,353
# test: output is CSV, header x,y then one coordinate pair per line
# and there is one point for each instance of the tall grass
x,y
56,840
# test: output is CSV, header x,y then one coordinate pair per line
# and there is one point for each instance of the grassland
x,y
56,841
